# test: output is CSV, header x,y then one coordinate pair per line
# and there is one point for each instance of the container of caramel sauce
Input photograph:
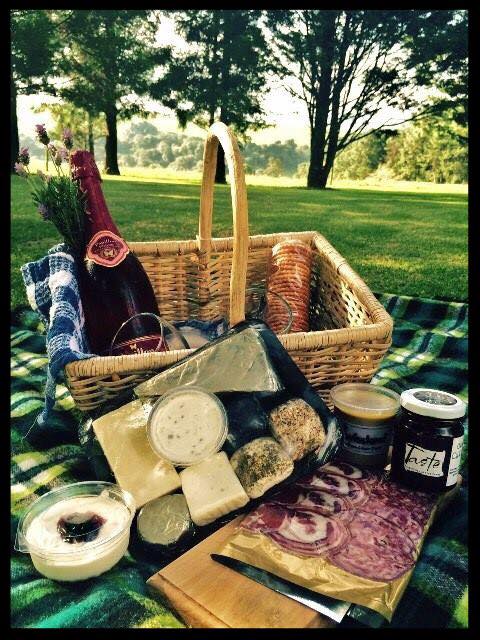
x,y
367,414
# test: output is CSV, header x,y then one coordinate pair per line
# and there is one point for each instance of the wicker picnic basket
x,y
207,278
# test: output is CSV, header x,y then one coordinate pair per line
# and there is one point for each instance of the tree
x,y
363,157
108,60
437,44
429,150
349,65
222,75
274,167
33,46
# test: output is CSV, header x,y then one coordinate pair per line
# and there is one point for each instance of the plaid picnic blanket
x,y
429,349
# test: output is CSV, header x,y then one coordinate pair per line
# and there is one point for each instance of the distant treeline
x,y
430,150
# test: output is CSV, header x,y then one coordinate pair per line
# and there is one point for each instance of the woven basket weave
x,y
207,278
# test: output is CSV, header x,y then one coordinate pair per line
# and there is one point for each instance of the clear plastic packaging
x,y
187,425
289,276
81,555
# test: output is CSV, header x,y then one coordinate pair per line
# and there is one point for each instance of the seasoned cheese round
x,y
261,464
297,427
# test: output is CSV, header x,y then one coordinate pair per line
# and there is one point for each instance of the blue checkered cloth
x,y
52,291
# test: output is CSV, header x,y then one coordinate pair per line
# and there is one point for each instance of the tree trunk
x,y
111,160
220,177
91,145
14,141
317,173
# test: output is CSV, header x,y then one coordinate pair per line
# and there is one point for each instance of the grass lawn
x,y
401,238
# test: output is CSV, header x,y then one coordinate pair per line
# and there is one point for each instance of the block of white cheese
x,y
122,435
212,489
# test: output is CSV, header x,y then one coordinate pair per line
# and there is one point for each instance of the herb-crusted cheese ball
x,y
260,465
297,427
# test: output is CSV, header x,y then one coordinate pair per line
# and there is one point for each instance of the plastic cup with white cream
x,y
77,531
187,425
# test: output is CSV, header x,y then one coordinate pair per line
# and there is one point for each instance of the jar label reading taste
x,y
423,461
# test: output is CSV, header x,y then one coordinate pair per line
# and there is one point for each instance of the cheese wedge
x,y
122,435
238,362
212,489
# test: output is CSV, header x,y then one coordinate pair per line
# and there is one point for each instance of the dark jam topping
x,y
80,527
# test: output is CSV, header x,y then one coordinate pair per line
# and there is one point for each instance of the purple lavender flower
x,y
20,169
42,134
63,153
44,212
68,138
24,156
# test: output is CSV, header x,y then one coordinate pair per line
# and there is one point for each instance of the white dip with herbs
x,y
187,426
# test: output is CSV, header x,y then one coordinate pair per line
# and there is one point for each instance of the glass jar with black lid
x,y
428,440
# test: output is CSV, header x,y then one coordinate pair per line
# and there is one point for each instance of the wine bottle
x,y
113,284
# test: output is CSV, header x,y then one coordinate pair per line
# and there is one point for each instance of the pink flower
x,y
20,169
68,138
24,156
42,134
63,153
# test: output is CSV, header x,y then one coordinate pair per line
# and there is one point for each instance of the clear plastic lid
x,y
433,403
187,425
365,401
70,494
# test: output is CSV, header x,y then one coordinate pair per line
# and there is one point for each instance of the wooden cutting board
x,y
206,594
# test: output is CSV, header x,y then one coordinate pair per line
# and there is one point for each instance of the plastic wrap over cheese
x,y
122,436
239,363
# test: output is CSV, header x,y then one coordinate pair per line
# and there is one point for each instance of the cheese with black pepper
x,y
297,427
212,489
260,465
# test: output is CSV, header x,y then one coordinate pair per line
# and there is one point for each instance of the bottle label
x,y
107,249
417,459
455,458
143,344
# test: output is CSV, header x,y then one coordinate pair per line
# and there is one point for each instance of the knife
x,y
330,607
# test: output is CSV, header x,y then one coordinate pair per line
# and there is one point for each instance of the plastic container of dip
x,y
102,513
187,425
367,414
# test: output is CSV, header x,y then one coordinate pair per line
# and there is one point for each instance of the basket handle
x,y
220,133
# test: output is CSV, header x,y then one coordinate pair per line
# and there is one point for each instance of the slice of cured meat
x,y
303,533
294,497
419,505
349,471
309,534
399,516
377,549
356,492
265,518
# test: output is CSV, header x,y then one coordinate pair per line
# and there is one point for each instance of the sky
x,y
287,115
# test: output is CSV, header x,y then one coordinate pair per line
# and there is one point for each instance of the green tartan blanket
x,y
429,349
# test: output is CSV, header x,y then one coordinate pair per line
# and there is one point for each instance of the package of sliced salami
x,y
341,531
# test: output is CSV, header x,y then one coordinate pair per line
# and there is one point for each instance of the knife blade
x,y
330,607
